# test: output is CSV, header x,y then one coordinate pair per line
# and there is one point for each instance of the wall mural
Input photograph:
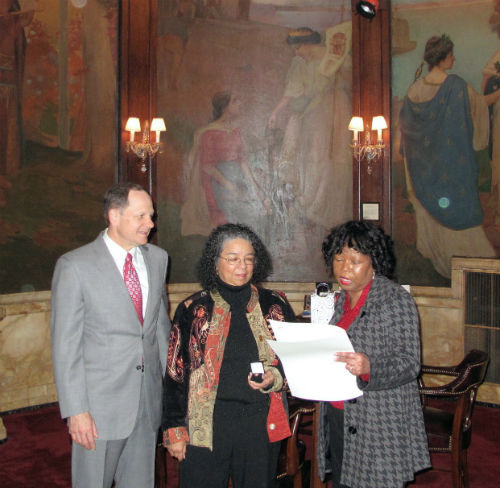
x,y
257,99
445,86
58,154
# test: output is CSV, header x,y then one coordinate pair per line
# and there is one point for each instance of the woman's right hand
x,y
177,450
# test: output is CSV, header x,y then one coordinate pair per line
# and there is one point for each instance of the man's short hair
x,y
117,197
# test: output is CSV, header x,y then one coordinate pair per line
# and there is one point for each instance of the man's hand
x,y
83,430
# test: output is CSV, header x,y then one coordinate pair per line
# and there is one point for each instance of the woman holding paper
x,y
378,439
218,421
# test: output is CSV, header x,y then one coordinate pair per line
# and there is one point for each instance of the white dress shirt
x,y
119,255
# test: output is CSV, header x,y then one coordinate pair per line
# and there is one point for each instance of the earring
x,y
373,275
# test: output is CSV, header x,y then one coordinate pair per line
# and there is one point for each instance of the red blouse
x,y
347,319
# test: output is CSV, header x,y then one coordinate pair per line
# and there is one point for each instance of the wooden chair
x,y
449,429
293,450
160,464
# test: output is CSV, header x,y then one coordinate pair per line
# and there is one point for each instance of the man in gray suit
x,y
109,328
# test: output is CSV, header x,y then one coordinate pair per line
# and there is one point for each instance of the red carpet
x,y
37,453
483,455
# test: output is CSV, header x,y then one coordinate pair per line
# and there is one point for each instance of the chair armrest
x,y
292,445
299,406
437,391
445,370
450,389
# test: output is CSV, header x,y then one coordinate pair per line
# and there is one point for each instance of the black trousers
x,y
336,424
241,450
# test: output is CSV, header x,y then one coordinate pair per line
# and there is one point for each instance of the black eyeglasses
x,y
235,260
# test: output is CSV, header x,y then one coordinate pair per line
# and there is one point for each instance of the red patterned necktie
x,y
133,285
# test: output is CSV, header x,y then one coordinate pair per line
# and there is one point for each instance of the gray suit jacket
x,y
98,343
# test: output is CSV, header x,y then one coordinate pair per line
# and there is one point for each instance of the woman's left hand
x,y
357,363
267,381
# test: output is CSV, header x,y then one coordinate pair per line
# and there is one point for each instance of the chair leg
x,y
465,470
456,467
297,479
161,467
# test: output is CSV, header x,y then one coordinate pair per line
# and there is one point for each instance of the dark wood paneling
x,y
371,96
137,79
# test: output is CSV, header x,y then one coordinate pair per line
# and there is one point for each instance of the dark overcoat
x,y
384,436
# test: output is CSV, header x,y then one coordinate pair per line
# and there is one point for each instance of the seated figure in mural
x,y
443,122
315,159
220,186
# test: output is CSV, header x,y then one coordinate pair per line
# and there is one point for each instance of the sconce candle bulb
x,y
356,125
133,125
158,126
379,123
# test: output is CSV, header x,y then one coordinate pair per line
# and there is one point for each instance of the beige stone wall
x,y
26,377
441,313
294,292
25,359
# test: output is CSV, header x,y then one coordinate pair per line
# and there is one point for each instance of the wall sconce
x,y
146,148
367,150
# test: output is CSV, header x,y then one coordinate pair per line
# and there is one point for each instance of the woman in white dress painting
x,y
315,160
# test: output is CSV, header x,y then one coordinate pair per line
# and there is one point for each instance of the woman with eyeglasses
x,y
218,420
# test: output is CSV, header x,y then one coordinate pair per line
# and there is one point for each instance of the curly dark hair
x,y
436,50
213,248
365,238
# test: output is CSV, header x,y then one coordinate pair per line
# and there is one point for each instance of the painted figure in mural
x,y
443,122
109,329
382,322
491,84
12,49
217,420
220,186
315,159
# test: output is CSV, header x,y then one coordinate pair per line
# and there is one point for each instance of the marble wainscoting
x,y
443,321
26,377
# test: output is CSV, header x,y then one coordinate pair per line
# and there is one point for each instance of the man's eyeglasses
x,y
234,260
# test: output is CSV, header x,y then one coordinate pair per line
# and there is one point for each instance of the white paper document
x,y
306,352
